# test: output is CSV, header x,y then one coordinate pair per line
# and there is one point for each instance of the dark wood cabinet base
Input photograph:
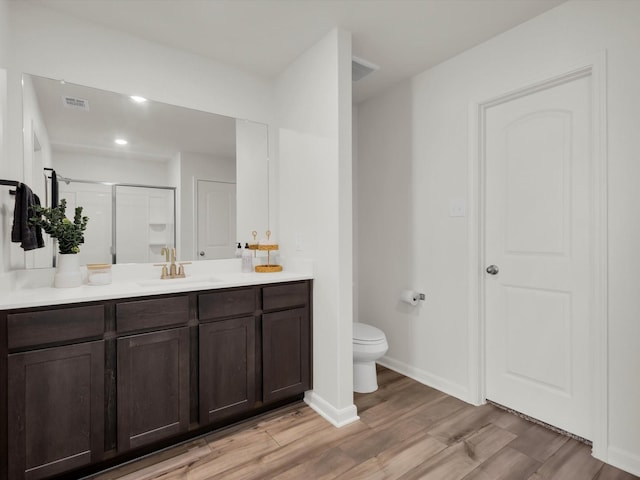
x,y
98,384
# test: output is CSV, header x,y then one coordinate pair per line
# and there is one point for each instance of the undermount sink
x,y
158,282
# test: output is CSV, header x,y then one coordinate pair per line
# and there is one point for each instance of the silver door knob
x,y
492,269
202,254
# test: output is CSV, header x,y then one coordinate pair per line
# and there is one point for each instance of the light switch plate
x,y
457,208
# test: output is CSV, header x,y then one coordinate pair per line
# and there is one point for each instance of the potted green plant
x,y
70,235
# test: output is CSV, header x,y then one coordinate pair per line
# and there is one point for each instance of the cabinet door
x,y
227,368
286,352
56,409
153,387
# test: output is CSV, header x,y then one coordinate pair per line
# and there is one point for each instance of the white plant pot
x,y
68,271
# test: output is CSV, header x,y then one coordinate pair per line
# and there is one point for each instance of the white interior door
x,y
216,220
537,154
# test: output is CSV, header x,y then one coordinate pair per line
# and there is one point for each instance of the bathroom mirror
x,y
147,174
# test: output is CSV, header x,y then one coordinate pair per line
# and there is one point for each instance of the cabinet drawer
x,y
227,303
32,329
154,313
285,296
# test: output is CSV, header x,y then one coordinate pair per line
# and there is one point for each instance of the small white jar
x,y
98,273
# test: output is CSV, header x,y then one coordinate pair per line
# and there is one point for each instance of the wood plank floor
x,y
406,431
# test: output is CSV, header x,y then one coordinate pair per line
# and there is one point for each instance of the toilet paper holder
x,y
412,297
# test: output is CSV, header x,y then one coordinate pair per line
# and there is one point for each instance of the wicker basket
x,y
268,268
267,247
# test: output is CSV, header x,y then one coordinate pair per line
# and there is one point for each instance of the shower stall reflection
x,y
127,223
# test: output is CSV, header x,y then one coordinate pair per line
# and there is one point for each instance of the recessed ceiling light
x,y
121,141
138,99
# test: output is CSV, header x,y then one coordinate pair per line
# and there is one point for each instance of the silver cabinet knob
x,y
202,254
492,269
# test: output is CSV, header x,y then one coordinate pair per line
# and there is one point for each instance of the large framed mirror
x,y
147,174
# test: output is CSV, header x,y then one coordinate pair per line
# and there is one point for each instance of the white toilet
x,y
369,344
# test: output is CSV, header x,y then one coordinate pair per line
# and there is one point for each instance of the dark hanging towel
x,y
29,236
54,189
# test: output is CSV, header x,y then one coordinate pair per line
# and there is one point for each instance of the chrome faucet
x,y
172,271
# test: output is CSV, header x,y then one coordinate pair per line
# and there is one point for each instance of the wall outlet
x,y
298,241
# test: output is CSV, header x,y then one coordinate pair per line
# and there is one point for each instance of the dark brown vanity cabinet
x,y
227,366
55,406
152,370
95,384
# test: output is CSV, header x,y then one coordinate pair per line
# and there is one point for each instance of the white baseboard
x,y
624,460
433,381
337,417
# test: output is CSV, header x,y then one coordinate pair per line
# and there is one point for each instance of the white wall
x,y
46,43
355,209
193,167
4,32
413,154
313,98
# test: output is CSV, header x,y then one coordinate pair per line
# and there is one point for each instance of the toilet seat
x,y
364,334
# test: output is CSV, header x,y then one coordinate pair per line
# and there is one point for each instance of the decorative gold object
x,y
254,245
268,247
268,268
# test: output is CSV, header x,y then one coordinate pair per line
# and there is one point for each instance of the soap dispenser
x,y
247,260
239,250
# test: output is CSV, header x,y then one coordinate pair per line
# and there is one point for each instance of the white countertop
x,y
31,288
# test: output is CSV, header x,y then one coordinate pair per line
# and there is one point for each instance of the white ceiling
x,y
403,37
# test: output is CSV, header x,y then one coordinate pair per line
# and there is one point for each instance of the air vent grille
x,y
361,68
76,103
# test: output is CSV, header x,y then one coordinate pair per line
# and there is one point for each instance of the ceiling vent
x,y
361,68
77,103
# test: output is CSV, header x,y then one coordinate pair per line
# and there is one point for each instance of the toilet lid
x,y
365,334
